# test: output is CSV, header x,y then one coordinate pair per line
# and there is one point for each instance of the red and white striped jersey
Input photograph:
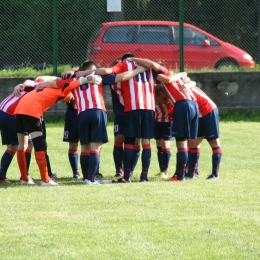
x,y
163,112
173,90
9,104
138,92
205,104
119,92
89,96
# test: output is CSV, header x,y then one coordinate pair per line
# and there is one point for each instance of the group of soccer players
x,y
149,101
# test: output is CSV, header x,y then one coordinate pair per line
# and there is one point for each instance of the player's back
x,y
163,112
89,96
138,92
9,104
38,101
205,104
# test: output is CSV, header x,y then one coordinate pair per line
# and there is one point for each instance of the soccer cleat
x,y
51,182
165,175
212,176
144,180
174,178
99,176
122,180
29,182
76,176
191,177
119,175
54,176
4,181
88,182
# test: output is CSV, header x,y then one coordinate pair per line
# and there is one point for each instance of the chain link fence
x,y
48,33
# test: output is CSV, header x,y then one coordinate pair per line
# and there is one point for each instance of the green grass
x,y
29,71
198,219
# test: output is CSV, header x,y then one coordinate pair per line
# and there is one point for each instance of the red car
x,y
159,41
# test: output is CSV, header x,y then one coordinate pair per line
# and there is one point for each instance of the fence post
x,y
181,18
258,37
55,38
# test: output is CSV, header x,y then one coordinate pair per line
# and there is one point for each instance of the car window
x,y
154,35
192,37
119,34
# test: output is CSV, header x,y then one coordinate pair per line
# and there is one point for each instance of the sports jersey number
x,y
83,87
115,128
142,76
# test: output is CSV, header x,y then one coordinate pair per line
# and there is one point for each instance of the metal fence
x,y
39,34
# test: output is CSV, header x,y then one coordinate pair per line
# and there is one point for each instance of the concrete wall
x,y
237,91
231,90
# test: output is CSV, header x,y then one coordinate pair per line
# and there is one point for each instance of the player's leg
x,y
166,139
147,132
146,159
216,158
118,149
22,125
194,154
6,160
84,160
96,120
71,136
74,158
9,138
182,117
132,131
157,137
211,130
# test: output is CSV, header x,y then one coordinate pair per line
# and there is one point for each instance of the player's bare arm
x,y
172,78
68,74
17,90
129,74
146,63
48,84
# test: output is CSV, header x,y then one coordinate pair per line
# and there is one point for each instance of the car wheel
x,y
227,63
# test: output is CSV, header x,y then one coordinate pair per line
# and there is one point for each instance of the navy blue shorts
x,y
92,126
140,123
119,125
209,125
186,120
7,127
28,124
163,130
71,129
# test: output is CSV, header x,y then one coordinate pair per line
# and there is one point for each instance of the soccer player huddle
x,y
149,101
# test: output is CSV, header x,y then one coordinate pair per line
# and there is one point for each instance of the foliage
x,y
27,26
32,72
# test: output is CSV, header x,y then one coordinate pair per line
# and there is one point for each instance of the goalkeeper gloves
x,y
96,79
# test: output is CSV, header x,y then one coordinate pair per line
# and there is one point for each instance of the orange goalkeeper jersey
x,y
36,102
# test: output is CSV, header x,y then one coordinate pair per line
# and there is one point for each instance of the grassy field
x,y
198,219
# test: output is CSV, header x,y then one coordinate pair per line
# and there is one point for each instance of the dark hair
x,y
127,55
159,88
86,65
